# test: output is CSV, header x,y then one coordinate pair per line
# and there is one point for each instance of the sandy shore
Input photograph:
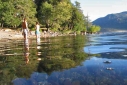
x,y
11,34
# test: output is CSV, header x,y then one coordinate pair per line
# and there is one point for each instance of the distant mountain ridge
x,y
110,22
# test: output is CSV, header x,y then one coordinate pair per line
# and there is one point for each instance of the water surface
x,y
69,60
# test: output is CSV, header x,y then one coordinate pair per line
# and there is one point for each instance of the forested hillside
x,y
51,14
116,21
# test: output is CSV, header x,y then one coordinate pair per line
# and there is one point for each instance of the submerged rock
x,y
107,61
110,68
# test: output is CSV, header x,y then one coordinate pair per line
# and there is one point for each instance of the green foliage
x,y
45,14
12,12
79,27
32,29
54,29
77,21
51,14
94,28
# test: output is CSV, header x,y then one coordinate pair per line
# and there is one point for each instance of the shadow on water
x,y
68,60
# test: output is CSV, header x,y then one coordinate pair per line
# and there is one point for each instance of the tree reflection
x,y
26,50
55,54
63,53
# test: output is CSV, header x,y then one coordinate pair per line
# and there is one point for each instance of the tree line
x,y
56,15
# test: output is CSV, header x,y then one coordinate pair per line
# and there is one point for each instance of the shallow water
x,y
68,60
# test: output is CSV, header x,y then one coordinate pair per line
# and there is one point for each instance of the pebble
x,y
110,68
107,61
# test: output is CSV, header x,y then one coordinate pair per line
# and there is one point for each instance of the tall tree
x,y
77,21
54,13
94,29
12,12
45,14
62,14
26,10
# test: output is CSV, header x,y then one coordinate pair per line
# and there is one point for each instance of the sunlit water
x,y
97,59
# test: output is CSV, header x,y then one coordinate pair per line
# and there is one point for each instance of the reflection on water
x,y
65,61
26,50
38,47
105,48
106,43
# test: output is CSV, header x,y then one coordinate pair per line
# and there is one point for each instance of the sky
x,y
100,8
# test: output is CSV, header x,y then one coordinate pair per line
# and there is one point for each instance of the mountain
x,y
112,22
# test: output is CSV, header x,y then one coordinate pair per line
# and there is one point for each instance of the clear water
x,y
69,60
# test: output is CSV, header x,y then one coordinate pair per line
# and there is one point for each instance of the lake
x,y
96,59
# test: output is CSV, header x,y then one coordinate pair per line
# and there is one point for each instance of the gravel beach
x,y
11,34
15,34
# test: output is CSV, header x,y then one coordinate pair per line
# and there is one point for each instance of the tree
x,y
12,11
77,21
7,13
26,10
94,29
62,14
53,14
45,14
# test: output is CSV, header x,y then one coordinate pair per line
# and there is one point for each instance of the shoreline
x,y
10,34
15,34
